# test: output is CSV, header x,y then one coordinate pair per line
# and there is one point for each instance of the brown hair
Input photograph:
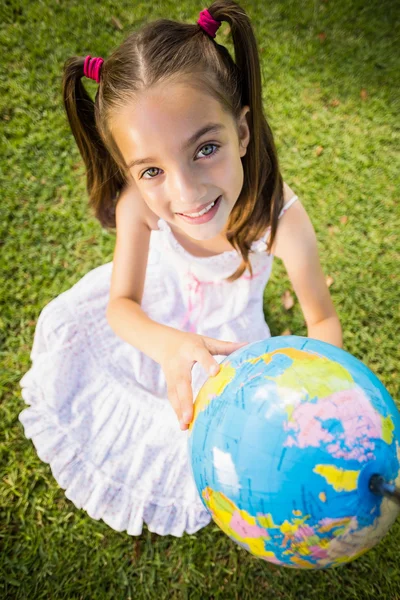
x,y
162,50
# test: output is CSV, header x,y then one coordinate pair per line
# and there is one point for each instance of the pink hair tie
x,y
92,66
208,23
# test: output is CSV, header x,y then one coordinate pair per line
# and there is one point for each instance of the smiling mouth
x,y
206,215
202,212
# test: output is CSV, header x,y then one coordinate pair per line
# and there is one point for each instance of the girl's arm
x,y
296,245
124,313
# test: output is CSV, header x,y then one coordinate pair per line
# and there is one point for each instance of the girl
x,y
181,161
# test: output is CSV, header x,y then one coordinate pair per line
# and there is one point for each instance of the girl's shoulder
x,y
131,200
288,197
295,232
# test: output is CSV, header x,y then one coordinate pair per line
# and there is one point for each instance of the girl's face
x,y
176,170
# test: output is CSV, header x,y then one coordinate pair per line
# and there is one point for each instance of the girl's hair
x,y
165,50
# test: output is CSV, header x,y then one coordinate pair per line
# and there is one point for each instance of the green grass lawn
x,y
331,92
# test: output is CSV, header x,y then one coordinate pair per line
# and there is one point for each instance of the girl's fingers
x,y
179,374
210,365
221,347
185,396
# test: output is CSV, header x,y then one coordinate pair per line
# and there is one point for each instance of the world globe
x,y
283,445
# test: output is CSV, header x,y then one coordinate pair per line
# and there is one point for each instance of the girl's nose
x,y
187,191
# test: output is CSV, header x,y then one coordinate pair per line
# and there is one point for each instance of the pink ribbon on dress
x,y
196,296
196,291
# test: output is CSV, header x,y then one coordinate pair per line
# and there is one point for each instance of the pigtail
x,y
104,179
260,163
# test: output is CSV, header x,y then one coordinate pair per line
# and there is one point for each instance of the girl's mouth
x,y
206,216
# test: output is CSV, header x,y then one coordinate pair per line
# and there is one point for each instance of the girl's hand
x,y
182,353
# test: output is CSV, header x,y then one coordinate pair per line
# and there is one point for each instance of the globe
x,y
283,445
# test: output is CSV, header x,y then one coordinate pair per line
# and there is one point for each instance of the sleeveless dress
x,y
98,411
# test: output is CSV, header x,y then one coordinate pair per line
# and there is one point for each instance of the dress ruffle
x,y
116,450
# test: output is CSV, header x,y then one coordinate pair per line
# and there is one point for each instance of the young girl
x,y
181,160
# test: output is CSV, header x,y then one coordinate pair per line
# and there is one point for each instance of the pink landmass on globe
x,y
304,532
245,530
318,552
360,422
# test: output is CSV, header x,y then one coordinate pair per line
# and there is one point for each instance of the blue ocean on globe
x,y
283,443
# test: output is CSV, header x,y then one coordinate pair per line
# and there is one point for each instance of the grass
x,y
331,79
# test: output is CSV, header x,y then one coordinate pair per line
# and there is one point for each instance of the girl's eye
x,y
201,150
210,146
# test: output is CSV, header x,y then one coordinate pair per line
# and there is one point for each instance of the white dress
x,y
98,411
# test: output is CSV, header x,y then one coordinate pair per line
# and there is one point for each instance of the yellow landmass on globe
x,y
301,563
347,558
290,528
320,380
387,429
341,480
223,510
267,521
214,386
344,522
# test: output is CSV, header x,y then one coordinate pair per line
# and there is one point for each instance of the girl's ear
x,y
244,131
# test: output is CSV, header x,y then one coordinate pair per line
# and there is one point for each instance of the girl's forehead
x,y
166,113
169,100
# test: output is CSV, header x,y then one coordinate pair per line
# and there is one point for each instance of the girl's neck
x,y
217,245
